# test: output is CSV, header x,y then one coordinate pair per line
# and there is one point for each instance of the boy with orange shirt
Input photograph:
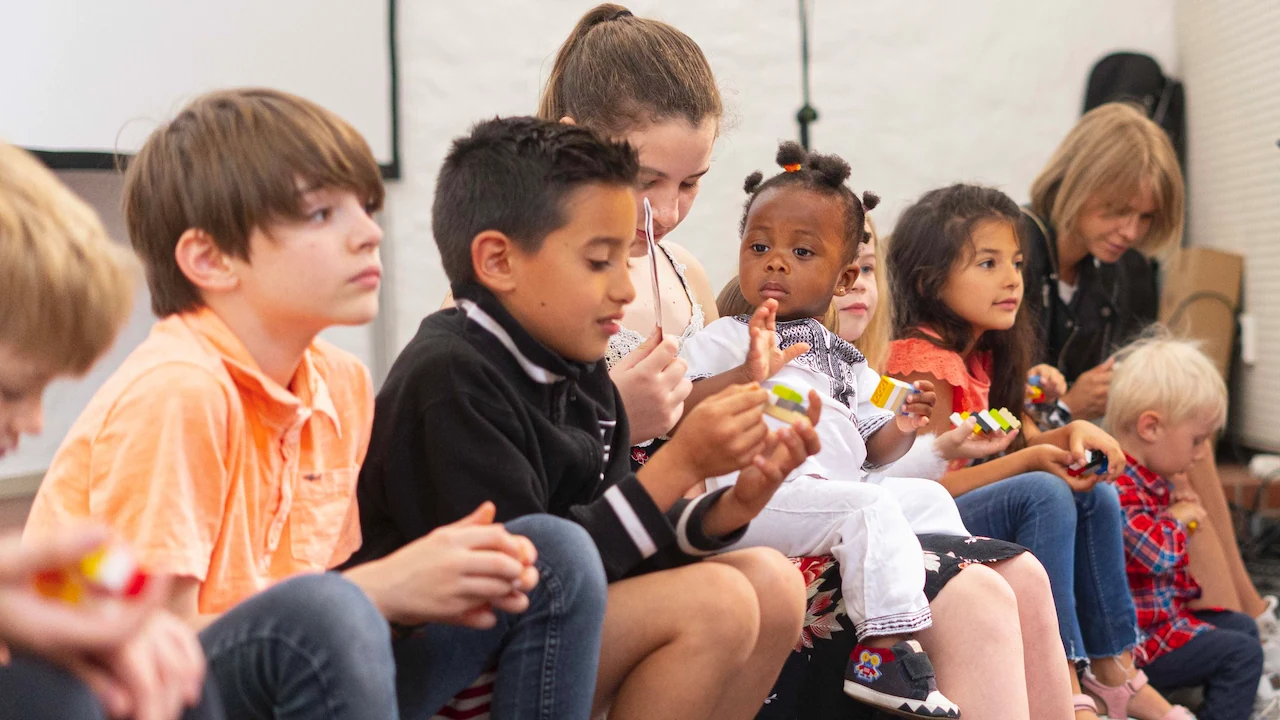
x,y
226,447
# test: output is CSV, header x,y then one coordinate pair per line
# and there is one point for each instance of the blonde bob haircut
x,y
1112,152
1165,375
65,288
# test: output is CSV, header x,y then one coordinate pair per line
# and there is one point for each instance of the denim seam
x,y
1085,528
271,638
557,603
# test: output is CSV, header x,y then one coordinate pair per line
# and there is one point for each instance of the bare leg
x,y
671,635
1205,481
1211,568
780,592
1044,660
976,646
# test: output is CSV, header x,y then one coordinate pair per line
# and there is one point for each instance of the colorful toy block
x,y
988,420
786,403
1096,461
1035,394
891,394
108,570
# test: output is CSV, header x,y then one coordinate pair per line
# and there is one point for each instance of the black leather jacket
x,y
1113,303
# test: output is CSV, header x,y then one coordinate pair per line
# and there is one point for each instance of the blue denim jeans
x,y
1227,661
315,646
33,689
1078,538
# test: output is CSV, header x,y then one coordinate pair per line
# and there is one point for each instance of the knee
x,y
568,562
1052,499
779,589
723,611
1103,499
984,600
333,611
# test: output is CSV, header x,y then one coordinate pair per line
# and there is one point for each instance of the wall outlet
x,y
1248,339
1264,466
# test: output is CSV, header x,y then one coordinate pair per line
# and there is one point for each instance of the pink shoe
x,y
1084,702
1116,699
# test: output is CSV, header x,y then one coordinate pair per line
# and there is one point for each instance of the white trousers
x,y
927,506
862,526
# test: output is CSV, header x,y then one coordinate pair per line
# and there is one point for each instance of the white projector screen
x,y
84,79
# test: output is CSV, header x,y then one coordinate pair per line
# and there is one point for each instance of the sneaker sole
x,y
893,704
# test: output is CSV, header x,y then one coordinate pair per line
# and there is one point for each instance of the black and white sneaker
x,y
898,680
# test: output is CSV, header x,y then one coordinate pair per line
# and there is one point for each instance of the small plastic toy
x,y
891,394
1192,527
786,403
988,420
1096,461
108,570
1035,395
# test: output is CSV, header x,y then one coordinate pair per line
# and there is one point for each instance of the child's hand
x,y
1051,381
1187,512
458,574
723,433
918,407
784,451
764,359
1087,436
1182,489
1053,459
961,442
653,387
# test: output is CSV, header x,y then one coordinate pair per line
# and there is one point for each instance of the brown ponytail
x,y
617,71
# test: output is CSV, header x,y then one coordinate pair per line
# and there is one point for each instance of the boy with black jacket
x,y
507,398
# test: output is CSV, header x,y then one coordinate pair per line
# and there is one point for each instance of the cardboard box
x,y
1201,298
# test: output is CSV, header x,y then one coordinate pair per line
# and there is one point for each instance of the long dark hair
x,y
932,237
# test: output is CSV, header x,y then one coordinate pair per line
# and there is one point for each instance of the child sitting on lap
x,y
801,231
1167,401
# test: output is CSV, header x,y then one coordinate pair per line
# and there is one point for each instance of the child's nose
x,y
666,211
622,290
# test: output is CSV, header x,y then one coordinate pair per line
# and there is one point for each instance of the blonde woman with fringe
x,y
1110,198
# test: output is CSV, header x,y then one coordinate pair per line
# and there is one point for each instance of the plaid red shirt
x,y
1155,547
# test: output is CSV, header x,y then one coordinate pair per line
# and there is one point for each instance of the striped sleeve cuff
x,y
627,526
688,516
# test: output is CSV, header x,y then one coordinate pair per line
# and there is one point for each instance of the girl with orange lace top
x,y
956,260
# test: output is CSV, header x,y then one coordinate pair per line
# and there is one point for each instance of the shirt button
x,y
1070,324
1106,312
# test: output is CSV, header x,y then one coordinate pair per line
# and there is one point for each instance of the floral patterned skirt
x,y
811,686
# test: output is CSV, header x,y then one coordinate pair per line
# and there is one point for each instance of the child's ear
x,y
204,263
1150,427
492,254
848,276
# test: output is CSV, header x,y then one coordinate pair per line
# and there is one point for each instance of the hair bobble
x,y
792,167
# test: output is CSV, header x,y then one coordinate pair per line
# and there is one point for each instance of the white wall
x,y
914,95
1231,64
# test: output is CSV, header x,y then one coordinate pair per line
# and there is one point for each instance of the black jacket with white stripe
x,y
476,409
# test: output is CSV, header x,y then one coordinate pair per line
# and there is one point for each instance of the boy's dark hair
x,y
820,173
931,237
513,175
617,71
230,162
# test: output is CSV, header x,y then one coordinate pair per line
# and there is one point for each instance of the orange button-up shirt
x,y
212,470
